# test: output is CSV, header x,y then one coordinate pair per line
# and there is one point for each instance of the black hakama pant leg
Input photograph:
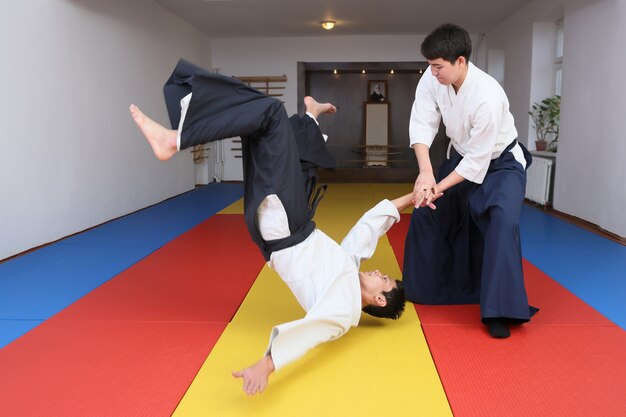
x,y
468,251
223,107
496,209
311,144
440,265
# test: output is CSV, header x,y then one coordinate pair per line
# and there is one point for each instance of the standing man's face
x,y
445,72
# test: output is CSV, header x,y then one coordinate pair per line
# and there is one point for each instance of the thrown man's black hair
x,y
394,307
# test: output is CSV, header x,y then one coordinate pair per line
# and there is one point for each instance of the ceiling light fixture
x,y
328,24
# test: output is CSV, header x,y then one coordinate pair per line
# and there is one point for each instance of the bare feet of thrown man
x,y
316,108
162,140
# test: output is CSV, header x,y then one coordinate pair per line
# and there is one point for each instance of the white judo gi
x,y
322,275
477,119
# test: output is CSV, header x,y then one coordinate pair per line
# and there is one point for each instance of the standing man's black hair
x,y
448,42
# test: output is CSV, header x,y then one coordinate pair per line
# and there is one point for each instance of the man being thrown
x,y
280,157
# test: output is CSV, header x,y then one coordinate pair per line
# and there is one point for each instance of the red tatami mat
x,y
568,361
202,275
96,369
542,371
397,235
133,346
557,305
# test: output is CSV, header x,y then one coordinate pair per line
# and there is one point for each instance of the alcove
x,y
348,85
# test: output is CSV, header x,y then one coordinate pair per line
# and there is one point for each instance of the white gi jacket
x,y
477,119
324,277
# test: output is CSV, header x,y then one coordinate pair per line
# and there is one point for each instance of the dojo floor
x,y
148,314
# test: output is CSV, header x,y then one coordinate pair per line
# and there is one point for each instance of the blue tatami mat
x,y
39,284
589,265
163,222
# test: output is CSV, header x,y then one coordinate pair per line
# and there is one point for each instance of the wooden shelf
x,y
271,79
264,84
376,156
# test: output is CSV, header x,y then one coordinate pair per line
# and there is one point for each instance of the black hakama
x,y
467,251
280,155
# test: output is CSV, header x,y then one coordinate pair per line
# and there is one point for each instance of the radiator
x,y
539,175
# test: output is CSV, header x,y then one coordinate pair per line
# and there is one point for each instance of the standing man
x,y
468,250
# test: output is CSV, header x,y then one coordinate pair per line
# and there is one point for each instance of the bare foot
x,y
316,108
162,140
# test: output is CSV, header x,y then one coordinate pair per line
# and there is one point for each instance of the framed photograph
x,y
377,91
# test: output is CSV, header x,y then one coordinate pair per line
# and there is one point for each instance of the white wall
x,y
279,56
496,64
70,155
514,39
592,146
591,167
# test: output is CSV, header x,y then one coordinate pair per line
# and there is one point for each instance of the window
x,y
558,59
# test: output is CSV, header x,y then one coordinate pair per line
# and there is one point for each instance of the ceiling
x,y
287,18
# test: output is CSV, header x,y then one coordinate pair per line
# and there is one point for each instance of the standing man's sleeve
x,y
425,115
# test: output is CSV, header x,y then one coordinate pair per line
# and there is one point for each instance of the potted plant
x,y
545,120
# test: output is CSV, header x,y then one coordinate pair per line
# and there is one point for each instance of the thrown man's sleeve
x,y
362,239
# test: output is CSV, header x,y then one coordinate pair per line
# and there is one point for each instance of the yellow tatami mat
x,y
381,366
235,208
